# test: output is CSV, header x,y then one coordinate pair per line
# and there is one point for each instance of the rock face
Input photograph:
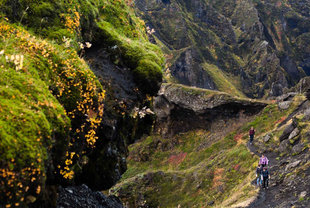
x,y
292,165
180,108
188,70
267,53
106,163
82,196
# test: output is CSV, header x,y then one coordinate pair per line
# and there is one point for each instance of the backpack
x,y
265,174
258,171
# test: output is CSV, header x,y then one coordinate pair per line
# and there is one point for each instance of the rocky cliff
x,y
180,109
259,46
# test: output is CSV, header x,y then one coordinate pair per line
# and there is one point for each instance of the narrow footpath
x,y
266,197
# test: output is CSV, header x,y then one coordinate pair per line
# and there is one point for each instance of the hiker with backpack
x,y
263,161
251,134
265,177
259,171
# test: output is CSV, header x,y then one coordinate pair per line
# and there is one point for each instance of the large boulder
x,y
288,130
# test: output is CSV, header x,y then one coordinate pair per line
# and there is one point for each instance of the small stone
x,y
284,105
266,138
283,146
298,148
294,133
303,194
199,185
292,165
210,203
70,191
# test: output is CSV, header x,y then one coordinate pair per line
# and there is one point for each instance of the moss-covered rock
x,y
56,131
46,93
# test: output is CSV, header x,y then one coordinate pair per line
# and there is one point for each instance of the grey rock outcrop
x,y
294,133
284,105
180,108
266,138
298,148
288,130
283,146
292,165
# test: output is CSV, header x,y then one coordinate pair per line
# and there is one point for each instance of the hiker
x,y
265,177
251,134
263,160
259,171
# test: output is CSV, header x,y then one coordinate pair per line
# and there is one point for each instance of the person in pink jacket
x,y
263,160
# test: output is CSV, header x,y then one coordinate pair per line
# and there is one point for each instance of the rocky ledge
x,y
82,196
180,108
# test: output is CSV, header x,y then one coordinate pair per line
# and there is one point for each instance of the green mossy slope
x,y
35,126
129,35
103,22
189,168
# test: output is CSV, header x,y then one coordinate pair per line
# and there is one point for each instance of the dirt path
x,y
266,197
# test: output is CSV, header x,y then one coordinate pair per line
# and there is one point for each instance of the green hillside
x,y
204,168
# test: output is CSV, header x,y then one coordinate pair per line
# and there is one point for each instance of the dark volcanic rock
x,y
103,166
82,197
298,148
308,94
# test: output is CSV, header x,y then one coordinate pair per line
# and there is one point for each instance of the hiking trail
x,y
266,196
